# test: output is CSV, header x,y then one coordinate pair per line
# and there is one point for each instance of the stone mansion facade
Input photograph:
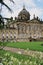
x,y
22,28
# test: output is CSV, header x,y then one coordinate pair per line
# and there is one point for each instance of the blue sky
x,y
33,6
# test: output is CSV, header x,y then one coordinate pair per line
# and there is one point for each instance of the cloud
x,y
30,5
39,0
36,11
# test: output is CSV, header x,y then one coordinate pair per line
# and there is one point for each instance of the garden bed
x,y
8,58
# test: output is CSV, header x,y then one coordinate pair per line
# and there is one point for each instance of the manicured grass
x,y
25,45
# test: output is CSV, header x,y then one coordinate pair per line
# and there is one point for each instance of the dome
x,y
24,14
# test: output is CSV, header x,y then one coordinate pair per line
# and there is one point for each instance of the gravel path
x,y
24,52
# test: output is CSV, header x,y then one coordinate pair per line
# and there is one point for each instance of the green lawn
x,y
25,45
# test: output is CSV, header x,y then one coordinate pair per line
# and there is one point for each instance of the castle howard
x,y
22,28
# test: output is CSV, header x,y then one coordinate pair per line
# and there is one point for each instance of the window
x,y
21,29
11,35
29,27
3,35
7,35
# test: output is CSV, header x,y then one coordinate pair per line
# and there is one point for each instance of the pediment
x,y
35,21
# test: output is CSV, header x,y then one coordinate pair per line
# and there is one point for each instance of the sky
x,y
33,6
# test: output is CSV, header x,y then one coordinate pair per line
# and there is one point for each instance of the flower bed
x,y
8,58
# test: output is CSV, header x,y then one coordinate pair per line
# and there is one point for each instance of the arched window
x,y
3,35
11,35
7,35
14,36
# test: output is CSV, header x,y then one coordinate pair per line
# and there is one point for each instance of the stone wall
x,y
8,35
22,32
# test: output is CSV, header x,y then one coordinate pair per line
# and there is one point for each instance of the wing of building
x,y
22,28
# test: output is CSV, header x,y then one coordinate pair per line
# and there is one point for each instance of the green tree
x,y
1,18
3,3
